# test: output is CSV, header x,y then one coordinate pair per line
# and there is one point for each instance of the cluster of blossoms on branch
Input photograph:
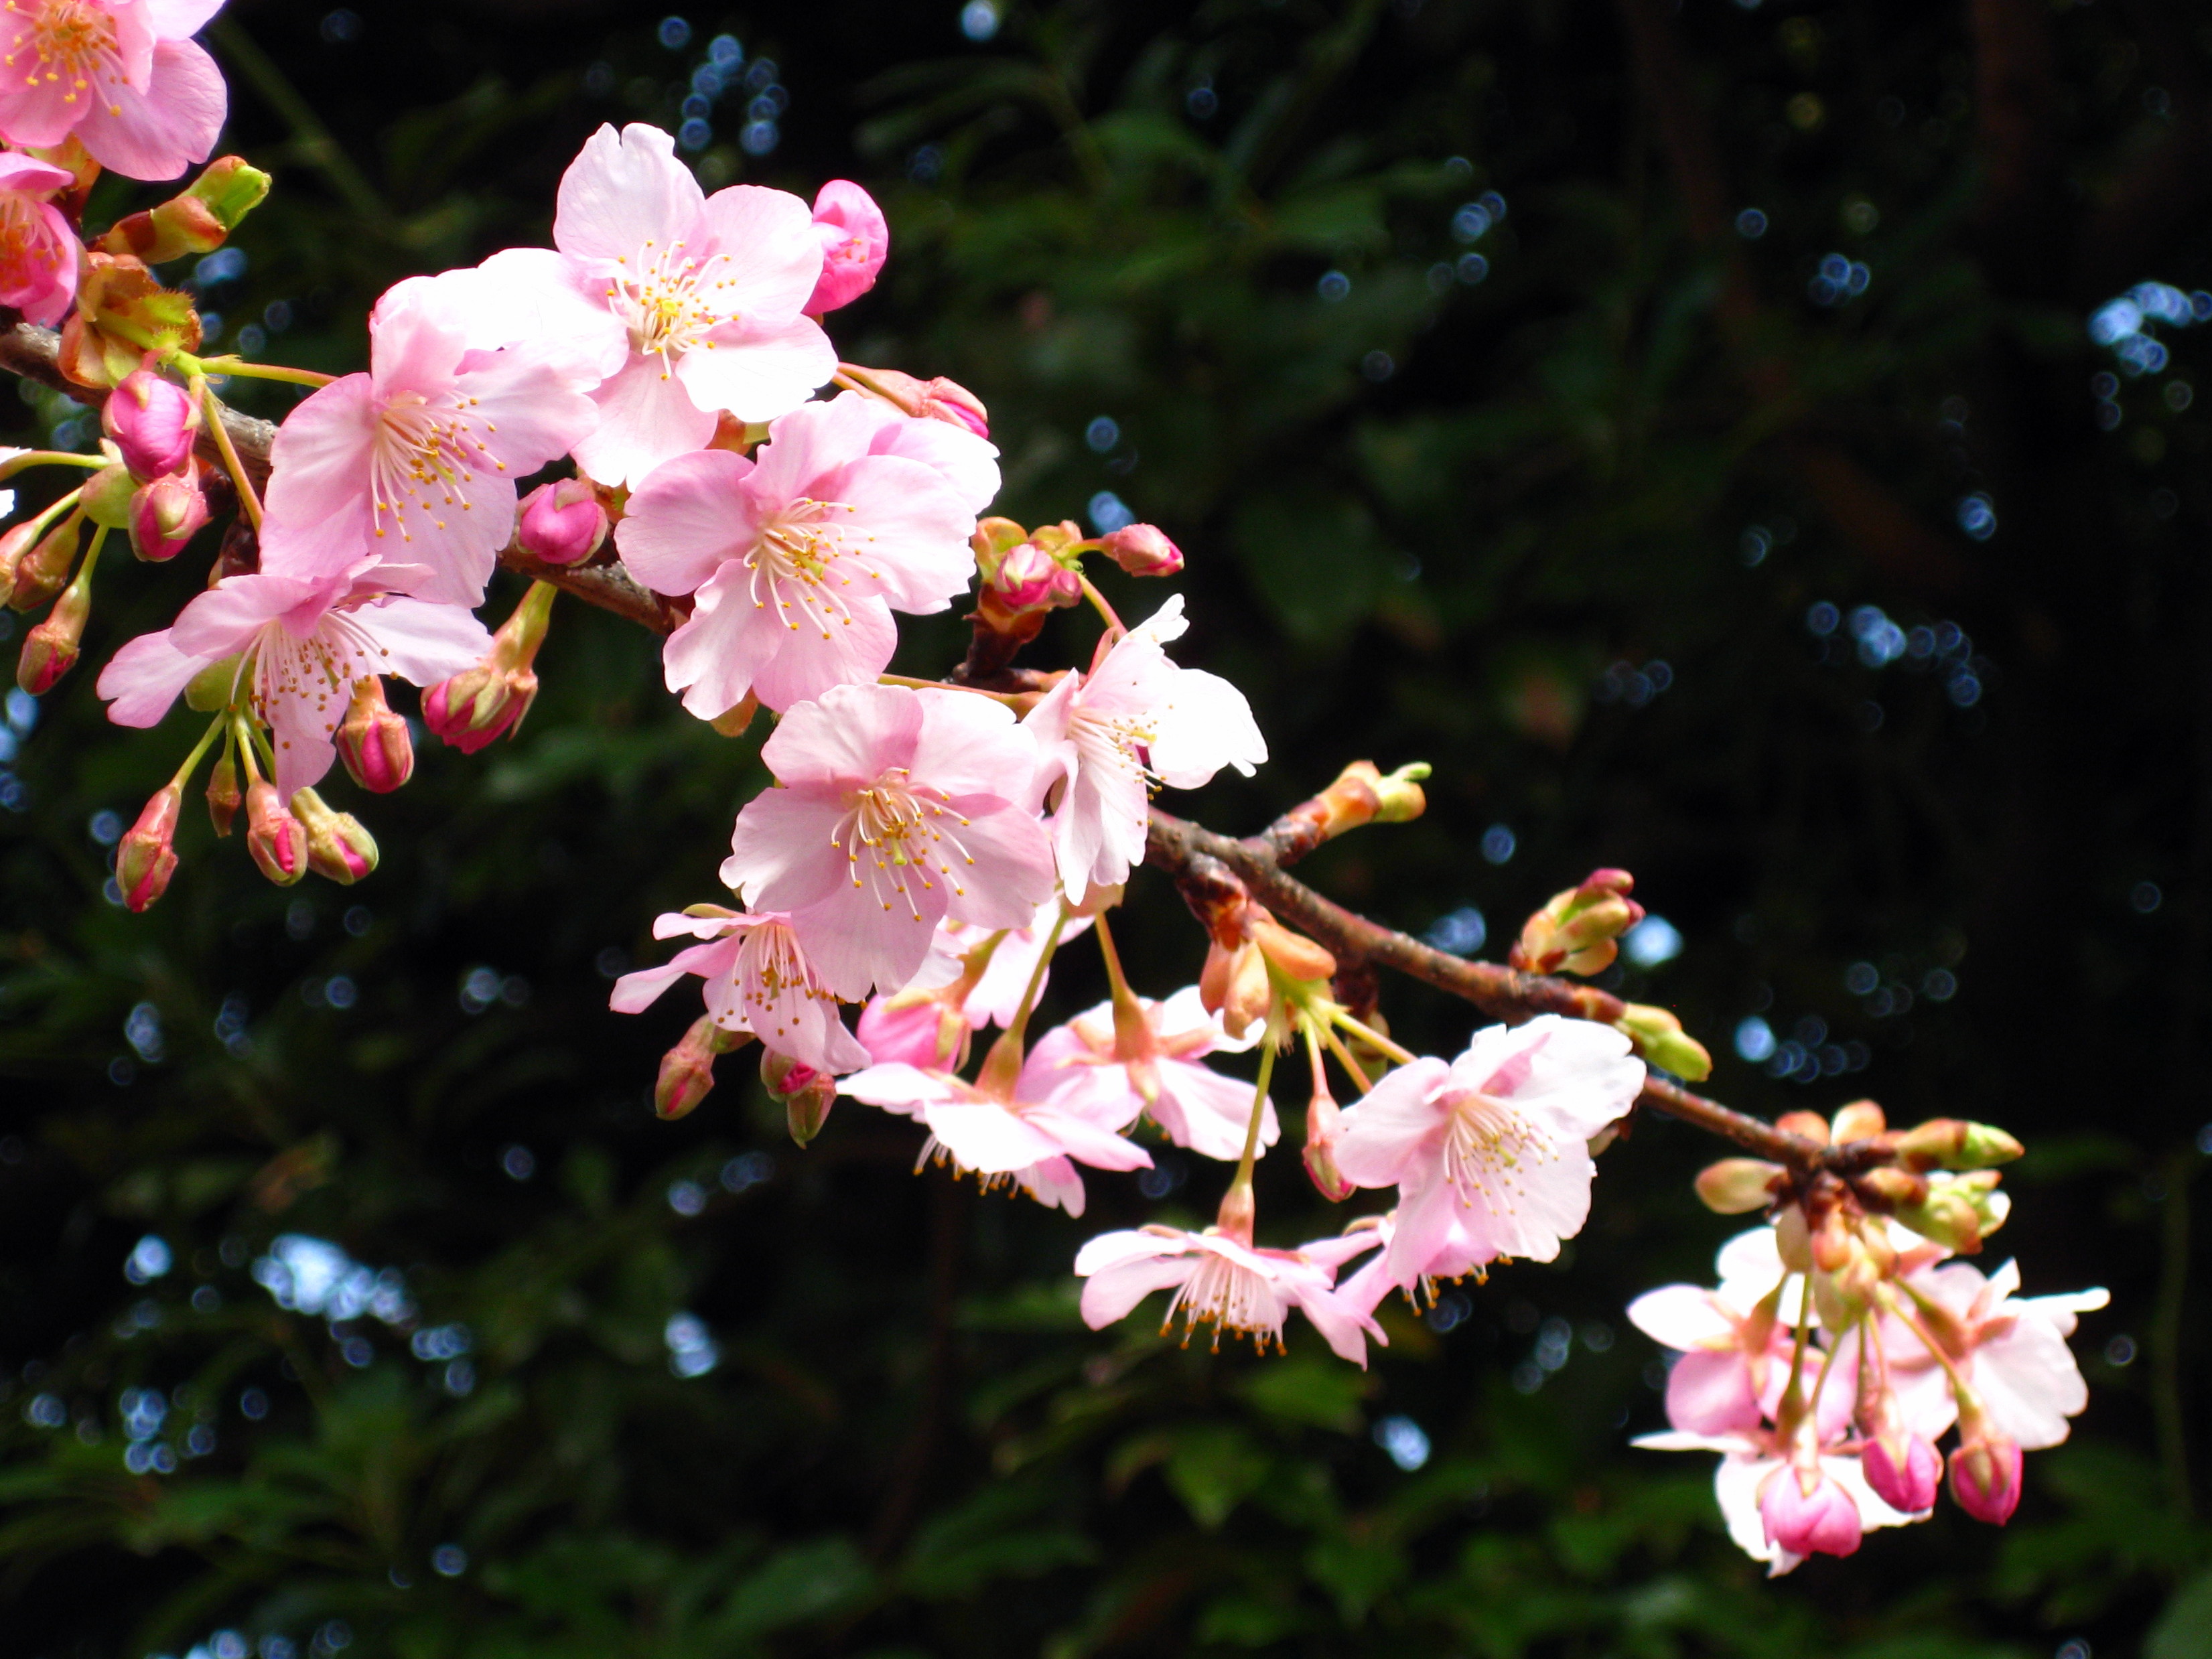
x,y
928,846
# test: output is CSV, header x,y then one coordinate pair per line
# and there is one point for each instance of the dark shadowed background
x,y
1681,423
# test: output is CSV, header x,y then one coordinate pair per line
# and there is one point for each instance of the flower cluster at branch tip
x,y
928,846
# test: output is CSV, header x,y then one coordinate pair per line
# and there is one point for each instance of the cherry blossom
x,y
973,977
1226,1283
796,557
1495,1142
1029,1141
415,461
757,980
899,808
1734,1341
700,299
303,643
1782,1526
1134,720
2010,1349
123,75
1151,1068
38,251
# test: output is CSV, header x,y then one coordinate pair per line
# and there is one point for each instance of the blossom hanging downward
x,y
1494,1144
701,297
1134,719
757,980
973,977
1118,1072
899,808
123,75
302,643
797,557
415,461
1227,1283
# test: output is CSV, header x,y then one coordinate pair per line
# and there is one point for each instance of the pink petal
x,y
758,368
424,643
987,1138
1113,1293
1710,1392
1683,1316
646,418
143,679
851,735
780,856
771,256
624,190
689,515
1392,1129
172,124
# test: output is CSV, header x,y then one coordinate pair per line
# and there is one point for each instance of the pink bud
x,y
146,857
949,401
153,421
856,238
1030,579
1805,1512
274,837
165,514
1143,549
1904,1476
339,848
477,705
42,569
806,1094
373,741
1322,1117
562,522
1986,1476
687,1071
49,653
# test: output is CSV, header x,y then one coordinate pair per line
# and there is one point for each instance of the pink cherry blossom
x,y
303,641
1032,1143
1751,1461
797,557
415,461
899,808
1495,1142
1135,719
855,240
757,980
1084,1063
38,251
123,75
973,977
699,299
2011,1350
1734,1341
1805,1511
1228,1283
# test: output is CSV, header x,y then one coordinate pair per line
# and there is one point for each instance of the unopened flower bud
x,y
153,421
1959,1211
687,1071
1904,1469
562,522
43,571
1811,1125
1737,1186
1322,1117
146,857
276,840
223,798
19,539
1292,954
339,848
1986,1472
165,514
1575,932
106,499
491,697
1142,549
1233,984
373,741
855,240
940,400
1659,1037
198,220
50,650
1946,1143
806,1094
1030,579
1888,1188
1806,1511
1862,1120
1363,794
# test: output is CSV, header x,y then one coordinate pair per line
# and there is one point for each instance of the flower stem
x,y
1368,1035
215,728
1251,1153
1013,700
1344,1057
1098,604
263,371
1003,1063
246,499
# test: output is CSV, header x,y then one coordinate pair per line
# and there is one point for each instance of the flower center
x,y
801,565
1229,1296
317,673
1115,743
424,454
71,42
770,967
1485,1142
669,301
896,832
25,249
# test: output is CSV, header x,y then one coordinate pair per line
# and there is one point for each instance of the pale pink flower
x,y
1753,1465
758,980
38,251
2011,1350
951,994
899,808
1228,1283
797,557
1734,1341
855,240
700,299
415,461
1031,1143
303,643
1084,1063
123,75
1104,738
968,462
1497,1141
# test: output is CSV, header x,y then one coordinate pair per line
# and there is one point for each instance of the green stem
x,y
1003,1063
246,499
200,753
1343,1056
30,458
239,366
1251,1153
1368,1035
1098,604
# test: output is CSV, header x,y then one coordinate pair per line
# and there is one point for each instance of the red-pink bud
x,y
477,705
146,857
561,522
43,571
153,421
50,650
339,848
687,1071
940,400
1030,578
373,741
1143,549
1806,1512
856,238
806,1094
276,840
1904,1469
166,514
1985,1476
19,539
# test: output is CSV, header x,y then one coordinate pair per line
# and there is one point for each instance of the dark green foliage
x,y
1433,517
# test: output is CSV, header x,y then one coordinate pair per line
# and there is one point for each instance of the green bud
x,y
1949,1143
1660,1038
1737,1186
